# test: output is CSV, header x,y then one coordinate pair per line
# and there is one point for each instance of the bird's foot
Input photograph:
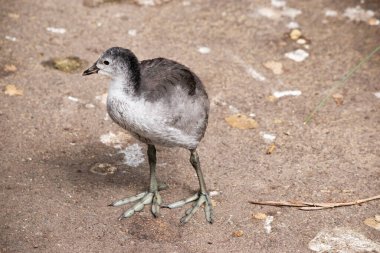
x,y
144,198
198,199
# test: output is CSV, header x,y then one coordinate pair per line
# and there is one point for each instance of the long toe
x,y
202,199
208,209
156,203
145,198
183,202
128,200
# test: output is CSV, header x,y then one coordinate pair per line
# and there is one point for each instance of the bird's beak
x,y
91,70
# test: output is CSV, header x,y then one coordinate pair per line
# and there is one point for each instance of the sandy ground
x,y
50,136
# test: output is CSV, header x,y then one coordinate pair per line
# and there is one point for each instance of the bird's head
x,y
115,62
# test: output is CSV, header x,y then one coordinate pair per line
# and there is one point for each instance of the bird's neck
x,y
129,83
122,88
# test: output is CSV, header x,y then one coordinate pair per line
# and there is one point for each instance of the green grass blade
x,y
341,83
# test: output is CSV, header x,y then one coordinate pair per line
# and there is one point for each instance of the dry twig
x,y
313,206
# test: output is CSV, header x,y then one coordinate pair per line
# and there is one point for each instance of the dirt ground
x,y
51,135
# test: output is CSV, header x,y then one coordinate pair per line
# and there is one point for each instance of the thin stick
x,y
340,83
313,206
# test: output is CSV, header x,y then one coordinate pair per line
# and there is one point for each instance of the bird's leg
x,y
200,198
150,197
157,201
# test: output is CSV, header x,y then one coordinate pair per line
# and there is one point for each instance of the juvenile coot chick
x,y
160,102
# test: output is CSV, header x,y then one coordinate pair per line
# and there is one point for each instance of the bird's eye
x,y
106,62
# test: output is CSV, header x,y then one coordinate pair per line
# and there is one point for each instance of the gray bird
x,y
160,102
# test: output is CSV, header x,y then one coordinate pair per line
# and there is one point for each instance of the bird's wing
x,y
180,90
160,77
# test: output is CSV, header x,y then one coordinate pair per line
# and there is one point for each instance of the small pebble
x,y
56,30
301,41
204,50
10,68
269,138
279,94
298,55
238,233
338,98
132,32
260,216
292,25
10,38
74,99
214,193
271,149
373,21
331,13
295,34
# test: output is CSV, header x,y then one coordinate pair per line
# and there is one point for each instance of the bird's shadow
x,y
76,163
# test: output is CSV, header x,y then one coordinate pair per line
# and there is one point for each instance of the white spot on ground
x,y
358,14
249,69
146,2
233,109
292,25
102,98
255,74
278,3
331,13
267,224
268,138
342,240
204,50
74,99
276,14
56,30
214,193
11,38
377,94
186,3
108,138
269,13
279,94
89,106
121,15
132,32
111,139
298,55
133,155
291,12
